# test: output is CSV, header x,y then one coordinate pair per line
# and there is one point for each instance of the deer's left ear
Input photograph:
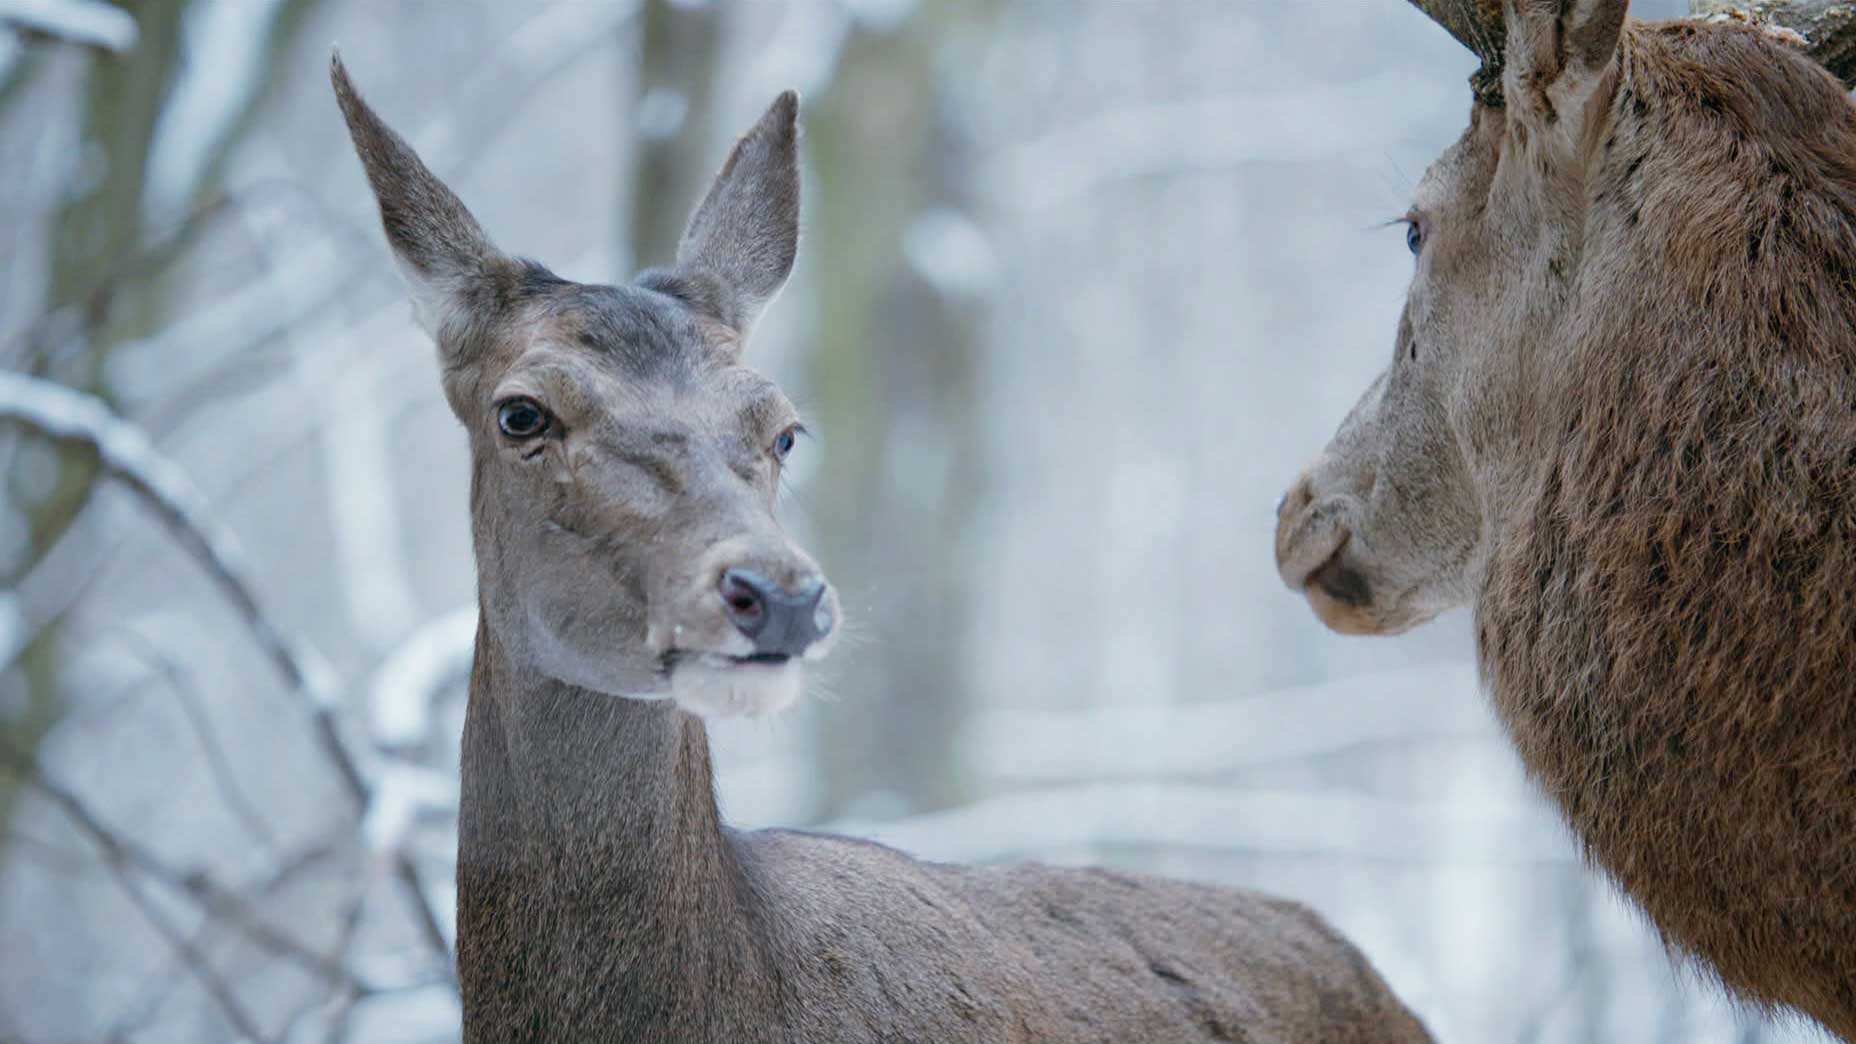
x,y
1561,57
448,262
741,241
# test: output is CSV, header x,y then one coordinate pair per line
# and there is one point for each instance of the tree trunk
x,y
95,230
671,115
893,383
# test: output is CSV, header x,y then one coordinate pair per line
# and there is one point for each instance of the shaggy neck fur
x,y
1669,621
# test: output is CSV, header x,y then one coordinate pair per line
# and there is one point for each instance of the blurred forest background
x,y
1082,284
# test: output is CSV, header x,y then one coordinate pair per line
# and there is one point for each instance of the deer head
x,y
1558,236
624,462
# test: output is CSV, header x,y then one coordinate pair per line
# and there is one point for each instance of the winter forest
x,y
1080,285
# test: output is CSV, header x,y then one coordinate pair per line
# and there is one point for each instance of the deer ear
x,y
741,241
1559,52
441,250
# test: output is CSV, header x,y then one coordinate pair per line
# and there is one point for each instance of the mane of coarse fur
x,y
1668,624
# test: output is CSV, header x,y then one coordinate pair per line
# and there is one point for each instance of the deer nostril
x,y
1342,582
744,594
782,621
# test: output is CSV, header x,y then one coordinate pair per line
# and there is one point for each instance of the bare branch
x,y
189,954
213,899
158,988
174,677
118,856
336,1028
127,456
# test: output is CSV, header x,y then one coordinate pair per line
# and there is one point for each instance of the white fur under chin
x,y
734,690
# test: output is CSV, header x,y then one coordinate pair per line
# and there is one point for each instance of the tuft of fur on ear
x,y
440,248
742,239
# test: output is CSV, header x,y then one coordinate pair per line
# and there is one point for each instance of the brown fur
x,y
600,897
1627,436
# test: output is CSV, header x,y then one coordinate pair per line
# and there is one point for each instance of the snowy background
x,y
1083,285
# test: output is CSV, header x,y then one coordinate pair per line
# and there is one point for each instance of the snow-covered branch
x,y
127,456
88,22
400,697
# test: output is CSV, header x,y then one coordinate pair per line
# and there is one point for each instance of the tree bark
x,y
1827,26
125,97
678,48
893,376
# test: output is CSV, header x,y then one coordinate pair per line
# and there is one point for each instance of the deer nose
x,y
781,621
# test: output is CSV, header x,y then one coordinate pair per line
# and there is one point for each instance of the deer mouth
x,y
714,660
721,685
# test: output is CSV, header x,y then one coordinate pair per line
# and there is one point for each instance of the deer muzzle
x,y
782,621
1313,537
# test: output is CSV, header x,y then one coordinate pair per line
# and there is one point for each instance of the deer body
x,y
633,580
601,898
1621,423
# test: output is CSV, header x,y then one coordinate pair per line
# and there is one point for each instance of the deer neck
x,y
595,880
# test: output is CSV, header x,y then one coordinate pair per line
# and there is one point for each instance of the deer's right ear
x,y
741,241
441,250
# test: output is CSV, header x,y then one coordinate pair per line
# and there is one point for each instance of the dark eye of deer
x,y
1414,236
521,418
783,443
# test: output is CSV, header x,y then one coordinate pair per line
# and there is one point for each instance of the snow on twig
x,y
400,697
127,456
87,22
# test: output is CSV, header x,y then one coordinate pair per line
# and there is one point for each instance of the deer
x,y
1619,425
634,583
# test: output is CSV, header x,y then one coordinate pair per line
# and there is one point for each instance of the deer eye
x,y
1414,235
783,442
521,418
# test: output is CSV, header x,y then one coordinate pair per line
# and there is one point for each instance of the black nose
x,y
781,622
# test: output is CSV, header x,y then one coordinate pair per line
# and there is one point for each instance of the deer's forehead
x,y
643,335
1441,182
583,383
1461,174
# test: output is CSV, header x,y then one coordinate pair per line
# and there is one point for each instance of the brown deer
x,y
1620,422
633,581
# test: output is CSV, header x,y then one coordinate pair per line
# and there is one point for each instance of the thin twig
x,y
127,456
213,899
118,857
217,763
189,954
158,988
337,1027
